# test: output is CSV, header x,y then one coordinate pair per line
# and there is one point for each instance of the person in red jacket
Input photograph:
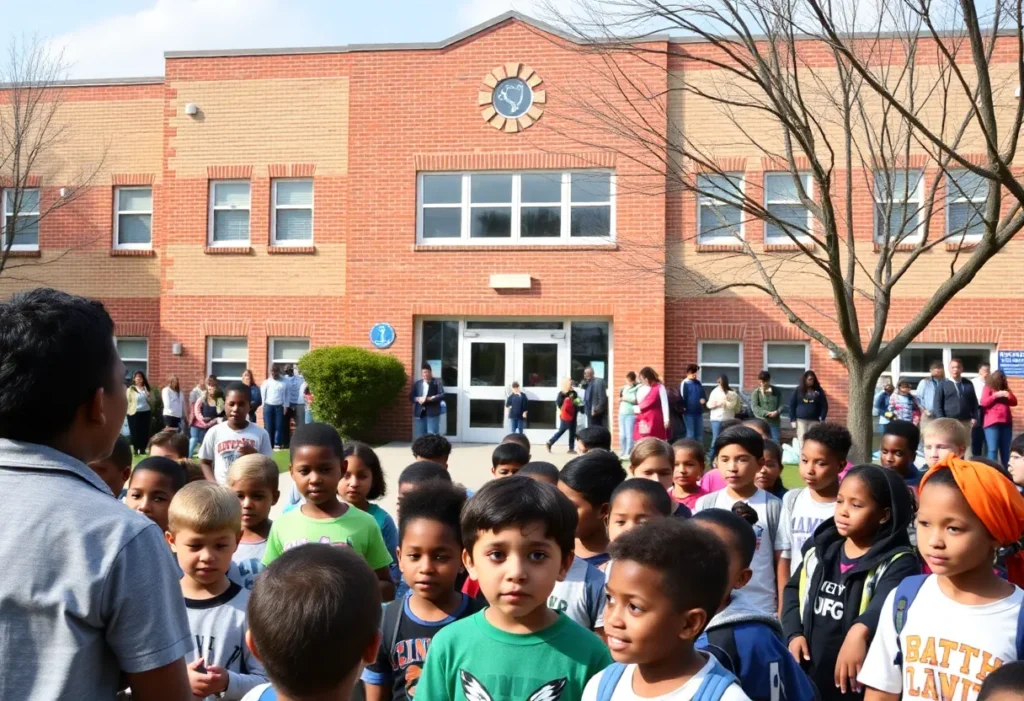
x,y
996,400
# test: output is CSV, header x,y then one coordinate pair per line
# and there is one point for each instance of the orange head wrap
x,y
995,500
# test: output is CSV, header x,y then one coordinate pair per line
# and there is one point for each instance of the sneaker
x,y
571,452
548,445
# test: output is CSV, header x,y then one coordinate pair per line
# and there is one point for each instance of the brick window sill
x,y
25,254
719,248
228,250
786,248
418,248
133,253
900,248
291,250
965,246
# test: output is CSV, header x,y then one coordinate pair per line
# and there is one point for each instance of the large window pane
x,y
540,365
541,187
490,189
26,230
919,360
134,228
785,354
295,193
590,342
542,415
133,348
229,349
971,357
795,215
294,225
442,189
491,222
966,218
441,222
541,222
720,353
231,195
289,350
781,187
720,188
591,187
135,199
709,375
487,365
441,346
486,413
591,221
231,225
720,221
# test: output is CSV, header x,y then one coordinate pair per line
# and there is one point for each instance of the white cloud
x,y
133,44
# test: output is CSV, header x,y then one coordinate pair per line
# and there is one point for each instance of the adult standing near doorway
x,y
723,403
426,395
808,405
296,401
996,400
207,412
595,398
653,418
569,404
926,391
174,404
140,411
275,399
955,398
255,395
691,396
627,413
979,438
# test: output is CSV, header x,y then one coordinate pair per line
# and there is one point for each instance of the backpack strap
x,y
391,622
721,642
809,564
711,500
1020,633
269,694
875,574
906,592
715,683
609,680
773,507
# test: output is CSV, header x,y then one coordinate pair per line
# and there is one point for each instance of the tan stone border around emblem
x,y
485,98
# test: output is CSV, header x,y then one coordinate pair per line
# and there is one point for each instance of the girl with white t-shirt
x,y
940,635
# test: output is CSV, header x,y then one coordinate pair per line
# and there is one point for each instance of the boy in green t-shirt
x,y
317,464
518,537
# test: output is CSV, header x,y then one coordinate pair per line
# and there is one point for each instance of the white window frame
x,y
271,349
705,201
145,361
210,360
917,198
786,366
274,206
516,204
3,223
117,218
213,208
896,372
955,197
700,361
808,188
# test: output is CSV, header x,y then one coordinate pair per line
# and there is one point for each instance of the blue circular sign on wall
x,y
512,98
382,336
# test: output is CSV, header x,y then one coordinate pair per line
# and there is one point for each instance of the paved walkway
x,y
469,464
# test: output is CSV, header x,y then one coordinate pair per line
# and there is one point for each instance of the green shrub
x,y
351,385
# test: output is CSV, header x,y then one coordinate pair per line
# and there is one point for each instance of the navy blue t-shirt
x,y
517,405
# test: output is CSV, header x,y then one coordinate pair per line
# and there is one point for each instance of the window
x,y
133,217
440,350
914,363
965,200
529,207
589,344
787,363
229,212
292,223
719,214
898,206
782,201
720,358
21,219
227,358
288,351
134,353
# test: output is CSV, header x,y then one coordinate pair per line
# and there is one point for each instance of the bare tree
x,y
32,85
914,103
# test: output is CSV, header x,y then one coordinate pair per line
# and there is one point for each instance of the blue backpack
x,y
906,592
712,688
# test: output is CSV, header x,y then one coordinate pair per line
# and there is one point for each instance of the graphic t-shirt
x,y
248,561
222,443
580,596
404,645
471,660
354,529
827,631
218,628
800,523
948,647
761,590
624,688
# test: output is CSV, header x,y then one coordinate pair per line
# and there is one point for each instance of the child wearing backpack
x,y
833,602
745,641
940,635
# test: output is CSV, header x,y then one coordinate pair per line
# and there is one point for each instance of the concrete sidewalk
x,y
469,465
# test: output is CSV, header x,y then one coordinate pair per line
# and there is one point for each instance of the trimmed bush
x,y
351,385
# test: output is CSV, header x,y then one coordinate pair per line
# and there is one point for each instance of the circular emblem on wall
x,y
382,335
511,100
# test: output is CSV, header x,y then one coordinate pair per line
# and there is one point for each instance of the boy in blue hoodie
x,y
745,640
692,399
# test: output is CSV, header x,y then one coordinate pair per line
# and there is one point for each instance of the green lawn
x,y
280,457
791,477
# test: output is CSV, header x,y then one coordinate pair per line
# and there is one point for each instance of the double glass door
x,y
537,360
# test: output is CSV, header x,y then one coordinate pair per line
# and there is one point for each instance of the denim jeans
x,y
564,426
980,444
299,412
516,425
626,424
776,431
997,438
424,425
273,421
694,424
716,428
196,436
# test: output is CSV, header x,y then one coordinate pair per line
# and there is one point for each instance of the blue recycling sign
x,y
382,336
1011,362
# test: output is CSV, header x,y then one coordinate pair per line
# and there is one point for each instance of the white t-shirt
x,y
624,689
762,588
581,594
800,524
947,646
222,443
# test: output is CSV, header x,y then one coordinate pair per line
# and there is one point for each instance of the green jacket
x,y
761,403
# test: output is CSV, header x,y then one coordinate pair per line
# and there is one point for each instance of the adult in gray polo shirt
x,y
88,592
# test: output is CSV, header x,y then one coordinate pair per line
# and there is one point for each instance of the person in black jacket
x,y
955,398
808,404
832,604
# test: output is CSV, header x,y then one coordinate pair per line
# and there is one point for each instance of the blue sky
x,y
128,37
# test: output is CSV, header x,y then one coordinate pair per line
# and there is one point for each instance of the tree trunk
x,y
861,398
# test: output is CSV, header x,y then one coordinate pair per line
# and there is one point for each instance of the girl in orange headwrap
x,y
962,621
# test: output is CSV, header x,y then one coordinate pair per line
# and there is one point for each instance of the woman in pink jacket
x,y
996,400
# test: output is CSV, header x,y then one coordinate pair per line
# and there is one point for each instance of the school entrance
x,y
478,360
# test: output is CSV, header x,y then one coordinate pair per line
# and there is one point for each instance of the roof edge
x,y
100,82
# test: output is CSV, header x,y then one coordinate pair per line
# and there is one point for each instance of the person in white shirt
x,y
225,442
723,403
295,399
175,411
274,391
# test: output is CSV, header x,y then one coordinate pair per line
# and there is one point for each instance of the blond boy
x,y
204,527
253,479
942,437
